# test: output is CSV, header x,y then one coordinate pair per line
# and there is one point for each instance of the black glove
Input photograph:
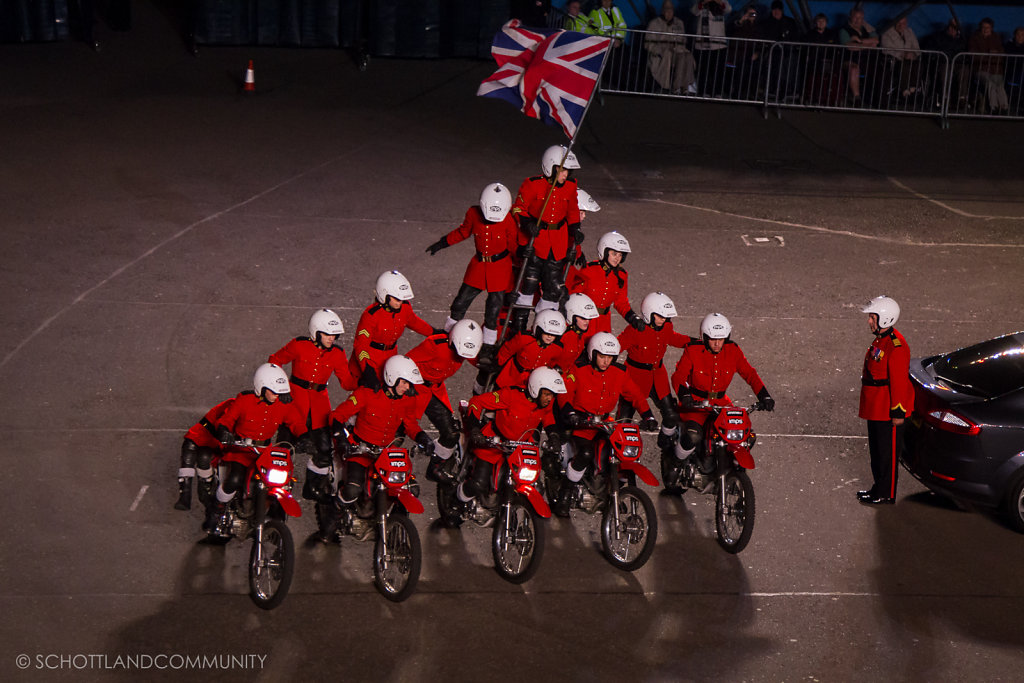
x,y
525,252
686,402
437,246
224,435
765,401
554,442
647,422
635,321
477,438
529,225
369,378
425,442
581,260
578,236
573,419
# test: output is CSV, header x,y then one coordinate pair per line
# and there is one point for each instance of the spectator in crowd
x,y
900,45
989,69
574,21
745,58
709,47
1015,69
779,28
821,85
857,35
671,64
532,13
607,21
950,42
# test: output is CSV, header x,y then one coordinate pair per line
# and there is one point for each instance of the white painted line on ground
x,y
138,498
947,207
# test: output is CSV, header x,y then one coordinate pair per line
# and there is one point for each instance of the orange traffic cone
x,y
250,79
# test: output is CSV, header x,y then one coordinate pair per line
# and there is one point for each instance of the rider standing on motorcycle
x,y
314,359
197,450
379,414
606,282
645,355
253,416
593,389
517,412
579,311
523,353
703,373
381,325
438,357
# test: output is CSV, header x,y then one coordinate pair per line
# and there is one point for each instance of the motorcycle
x,y
513,507
382,513
629,524
260,511
718,467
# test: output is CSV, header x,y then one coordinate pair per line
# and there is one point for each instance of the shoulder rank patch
x,y
365,333
896,341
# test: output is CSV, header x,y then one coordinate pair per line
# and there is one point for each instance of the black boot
x,y
328,516
204,489
671,468
215,514
520,319
315,487
561,506
184,494
438,472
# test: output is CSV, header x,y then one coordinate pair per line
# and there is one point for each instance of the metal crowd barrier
x,y
816,76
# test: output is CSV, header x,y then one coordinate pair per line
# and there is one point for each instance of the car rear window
x,y
991,368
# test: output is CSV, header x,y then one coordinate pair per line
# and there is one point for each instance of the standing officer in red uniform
x,y
496,237
197,450
645,355
606,282
593,388
381,325
579,311
523,353
703,373
886,398
518,413
554,232
314,359
254,416
438,357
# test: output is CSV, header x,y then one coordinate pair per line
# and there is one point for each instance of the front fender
x,y
410,502
646,476
290,506
743,457
540,505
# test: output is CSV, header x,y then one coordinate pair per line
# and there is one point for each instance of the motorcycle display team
x,y
548,430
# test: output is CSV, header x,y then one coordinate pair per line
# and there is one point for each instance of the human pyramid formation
x,y
549,379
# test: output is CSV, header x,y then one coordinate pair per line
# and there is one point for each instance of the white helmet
x,y
553,156
579,304
585,202
544,378
549,321
271,376
392,283
657,302
495,202
887,310
401,367
325,320
603,342
715,326
466,337
612,240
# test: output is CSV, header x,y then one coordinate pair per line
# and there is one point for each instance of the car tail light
x,y
951,421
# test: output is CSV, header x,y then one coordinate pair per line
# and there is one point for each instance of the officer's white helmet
x,y
495,202
579,304
550,321
585,202
544,378
271,376
392,283
715,326
603,342
657,302
401,367
466,338
326,321
612,240
887,310
553,156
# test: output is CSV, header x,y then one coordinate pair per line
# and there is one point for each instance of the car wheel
x,y
1013,506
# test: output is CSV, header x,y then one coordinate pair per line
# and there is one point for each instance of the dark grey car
x,y
965,438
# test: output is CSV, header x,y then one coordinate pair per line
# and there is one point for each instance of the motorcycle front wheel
x,y
396,560
517,543
271,565
628,538
734,512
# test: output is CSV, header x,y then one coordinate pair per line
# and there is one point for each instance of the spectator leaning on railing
x,y
901,46
671,64
745,56
857,35
1015,69
950,42
822,83
709,47
989,69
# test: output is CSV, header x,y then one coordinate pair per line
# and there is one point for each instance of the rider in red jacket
x,y
523,353
197,450
606,282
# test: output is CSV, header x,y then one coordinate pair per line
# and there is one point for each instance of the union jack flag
x,y
549,75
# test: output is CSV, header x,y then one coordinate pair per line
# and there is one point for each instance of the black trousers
x,y
465,297
443,419
885,441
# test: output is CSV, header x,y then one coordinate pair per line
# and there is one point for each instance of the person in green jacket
x,y
607,20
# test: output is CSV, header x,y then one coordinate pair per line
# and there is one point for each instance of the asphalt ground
x,y
163,233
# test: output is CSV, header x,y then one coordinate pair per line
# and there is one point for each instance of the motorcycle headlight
x,y
527,475
396,477
276,477
734,434
631,452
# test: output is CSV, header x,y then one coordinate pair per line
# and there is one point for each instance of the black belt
x,y
549,226
604,311
492,258
382,347
306,384
638,364
869,382
520,368
709,395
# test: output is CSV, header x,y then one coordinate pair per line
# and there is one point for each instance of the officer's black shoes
x,y
561,506
861,495
437,472
315,487
205,489
877,500
184,501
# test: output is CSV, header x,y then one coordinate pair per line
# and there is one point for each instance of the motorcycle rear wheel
x,y
517,543
734,521
396,564
271,565
629,544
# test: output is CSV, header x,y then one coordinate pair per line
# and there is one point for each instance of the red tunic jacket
x,y
886,391
588,390
312,367
706,376
645,356
378,415
250,417
378,332
516,416
573,343
204,432
607,287
562,214
521,355
437,362
491,268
